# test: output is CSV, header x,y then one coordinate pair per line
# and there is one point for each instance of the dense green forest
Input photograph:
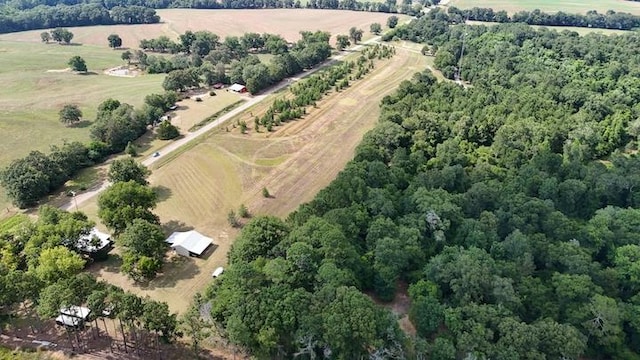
x,y
592,19
506,206
43,17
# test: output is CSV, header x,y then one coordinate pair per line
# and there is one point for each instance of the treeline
x,y
592,19
201,57
508,208
387,6
29,179
310,90
44,17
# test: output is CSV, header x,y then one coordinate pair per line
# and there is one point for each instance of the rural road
x,y
83,197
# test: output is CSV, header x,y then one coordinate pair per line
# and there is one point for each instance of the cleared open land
x,y
35,83
571,6
224,169
285,22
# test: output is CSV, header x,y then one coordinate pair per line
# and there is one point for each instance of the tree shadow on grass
x,y
81,124
144,142
173,225
163,192
111,265
175,269
87,73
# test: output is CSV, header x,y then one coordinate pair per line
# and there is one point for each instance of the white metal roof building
x,y
189,243
73,316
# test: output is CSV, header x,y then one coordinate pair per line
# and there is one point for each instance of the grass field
x,y
224,169
31,95
286,22
570,6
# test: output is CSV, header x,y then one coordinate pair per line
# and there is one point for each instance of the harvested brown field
x,y
225,169
286,22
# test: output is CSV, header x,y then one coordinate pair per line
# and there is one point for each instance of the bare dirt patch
x,y
122,71
286,22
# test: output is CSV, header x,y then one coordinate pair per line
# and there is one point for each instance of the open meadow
x,y
285,22
570,6
200,185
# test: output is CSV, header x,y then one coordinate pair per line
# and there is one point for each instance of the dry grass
x,y
570,6
286,22
226,169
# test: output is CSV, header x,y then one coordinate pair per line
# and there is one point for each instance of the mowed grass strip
x,y
570,6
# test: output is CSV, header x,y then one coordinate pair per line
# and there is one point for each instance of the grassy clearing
x,y
570,6
216,115
221,170
31,95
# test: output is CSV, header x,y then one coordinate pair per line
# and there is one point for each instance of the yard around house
x,y
570,6
199,186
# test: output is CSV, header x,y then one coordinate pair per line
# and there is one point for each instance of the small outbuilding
x,y
218,85
189,243
73,316
217,272
239,88
95,245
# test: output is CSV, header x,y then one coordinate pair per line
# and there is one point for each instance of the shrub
x,y
265,192
243,211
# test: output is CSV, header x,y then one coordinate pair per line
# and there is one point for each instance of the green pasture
x,y
35,87
570,6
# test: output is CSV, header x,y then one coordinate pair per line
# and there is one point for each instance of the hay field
x,y
286,22
224,169
570,6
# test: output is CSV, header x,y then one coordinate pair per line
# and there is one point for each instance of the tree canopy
x,y
506,201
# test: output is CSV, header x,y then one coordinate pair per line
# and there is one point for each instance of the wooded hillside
x,y
508,206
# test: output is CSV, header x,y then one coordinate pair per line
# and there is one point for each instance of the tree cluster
x,y
592,19
28,179
83,14
40,270
125,208
508,207
202,57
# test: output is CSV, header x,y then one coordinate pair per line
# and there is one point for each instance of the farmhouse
x,y
73,316
238,88
95,245
189,243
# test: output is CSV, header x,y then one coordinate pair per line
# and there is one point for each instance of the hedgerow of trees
x,y
20,16
508,208
312,89
202,56
592,19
